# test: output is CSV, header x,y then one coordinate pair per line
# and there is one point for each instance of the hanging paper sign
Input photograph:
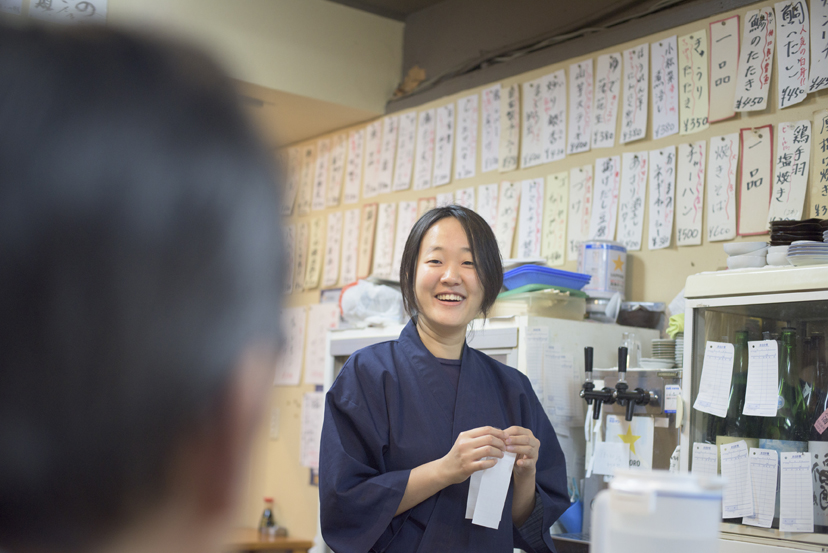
x,y
755,185
424,205
580,107
553,113
662,197
605,198
724,64
300,256
330,272
531,218
290,258
350,246
554,218
466,152
531,140
693,59
406,217
306,184
406,142
384,240
507,212
465,198
353,174
490,132
665,87
721,187
690,193
424,163
605,110
755,61
336,172
487,203
390,130
819,179
509,128
314,270
293,168
632,198
819,46
634,119
289,366
444,145
792,30
320,179
368,227
373,150
580,209
793,152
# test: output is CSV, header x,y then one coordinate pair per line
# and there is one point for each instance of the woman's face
x,y
448,292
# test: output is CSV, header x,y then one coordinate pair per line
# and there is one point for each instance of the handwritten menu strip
x,y
368,227
406,217
605,111
289,367
350,246
487,203
717,370
724,64
300,256
632,198
737,497
353,174
490,132
322,317
662,197
306,185
507,212
531,141
665,87
705,459
509,128
690,193
466,153
444,143
320,179
819,179
465,197
315,240
424,163
761,391
313,410
755,61
580,107
447,198
384,240
693,87
293,169
819,46
553,113
373,151
390,130
796,512
721,187
531,218
555,208
764,465
580,209
755,185
605,198
290,255
336,172
330,271
792,31
793,152
405,151
636,75
424,205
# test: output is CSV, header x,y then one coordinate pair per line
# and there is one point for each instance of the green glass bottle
x,y
791,421
738,424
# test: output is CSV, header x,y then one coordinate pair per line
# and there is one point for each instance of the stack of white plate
x,y
742,255
679,349
778,256
807,252
664,349
825,236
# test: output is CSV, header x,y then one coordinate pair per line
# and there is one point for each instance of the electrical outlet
x,y
274,423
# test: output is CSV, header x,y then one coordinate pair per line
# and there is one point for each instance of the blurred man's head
x,y
140,279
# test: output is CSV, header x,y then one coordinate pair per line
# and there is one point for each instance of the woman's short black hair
x,y
484,249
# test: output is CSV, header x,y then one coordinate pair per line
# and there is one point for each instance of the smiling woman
x,y
408,422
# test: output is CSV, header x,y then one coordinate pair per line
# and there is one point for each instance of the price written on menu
x,y
693,60
373,149
443,146
721,187
554,218
662,197
353,174
633,194
531,218
792,30
755,185
337,170
490,131
580,107
790,181
406,142
819,178
605,111
509,128
755,60
724,63
605,198
665,87
690,193
507,212
466,144
634,119
424,162
580,209
819,46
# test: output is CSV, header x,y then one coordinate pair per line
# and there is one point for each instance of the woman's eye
x,y
470,263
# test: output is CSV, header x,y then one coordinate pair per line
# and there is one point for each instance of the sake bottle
x,y
818,438
791,421
737,424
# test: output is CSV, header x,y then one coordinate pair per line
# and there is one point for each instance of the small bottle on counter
x,y
267,524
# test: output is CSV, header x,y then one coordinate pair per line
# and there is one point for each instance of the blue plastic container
x,y
537,274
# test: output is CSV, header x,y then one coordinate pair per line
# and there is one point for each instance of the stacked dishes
x,y
784,233
679,350
806,252
665,349
742,255
825,236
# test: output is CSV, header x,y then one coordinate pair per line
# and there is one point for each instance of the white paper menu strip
x,y
662,197
385,174
406,217
705,459
693,84
755,186
465,197
755,60
465,163
580,107
761,394
819,178
793,54
289,366
350,246
507,212
665,87
373,150
424,162
737,497
424,205
300,256
796,512
384,240
353,173
632,198
531,140
306,184
320,178
337,170
580,209
487,195
509,149
531,218
292,166
636,77
367,230
605,109
553,113
764,466
555,207
290,255
330,269
316,237
721,187
714,387
443,145
313,414
490,128
322,317
790,181
724,64
690,193
406,142
605,198
819,46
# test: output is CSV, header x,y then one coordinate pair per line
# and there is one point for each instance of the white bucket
x,y
657,511
606,262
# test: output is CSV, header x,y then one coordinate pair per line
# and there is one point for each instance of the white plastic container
x,y
606,262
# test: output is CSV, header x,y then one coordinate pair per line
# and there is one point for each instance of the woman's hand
x,y
468,453
522,442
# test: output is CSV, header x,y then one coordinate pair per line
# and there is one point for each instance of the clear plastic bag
x,y
366,304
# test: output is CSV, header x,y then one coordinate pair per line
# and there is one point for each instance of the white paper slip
x,y
384,240
580,107
290,255
292,165
665,87
559,388
443,145
424,160
353,171
491,497
474,491
487,203
303,206
537,341
465,155
350,246
672,395
762,393
336,173
609,457
555,208
289,366
532,124
693,83
690,193
737,498
755,183
530,229
705,459
790,181
390,131
330,270
632,198
819,46
490,128
373,150
724,63
793,55
607,90
320,178
662,197
636,77
509,149
717,372
406,142
313,413
605,198
721,187
406,217
553,113
818,204
300,256
580,209
322,317
507,212
764,464
796,512
755,60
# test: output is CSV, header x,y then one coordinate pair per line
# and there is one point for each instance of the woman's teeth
x,y
449,297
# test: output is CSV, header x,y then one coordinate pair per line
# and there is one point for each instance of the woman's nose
x,y
451,275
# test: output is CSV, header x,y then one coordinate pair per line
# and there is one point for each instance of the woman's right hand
x,y
469,451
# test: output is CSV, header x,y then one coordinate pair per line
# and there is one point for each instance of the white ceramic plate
x,y
740,248
651,363
745,261
801,261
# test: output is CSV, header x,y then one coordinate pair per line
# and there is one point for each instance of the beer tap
x,y
589,393
622,394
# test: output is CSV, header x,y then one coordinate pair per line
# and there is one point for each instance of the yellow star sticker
x,y
618,263
628,438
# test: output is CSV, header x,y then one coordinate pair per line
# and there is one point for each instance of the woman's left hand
x,y
521,441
